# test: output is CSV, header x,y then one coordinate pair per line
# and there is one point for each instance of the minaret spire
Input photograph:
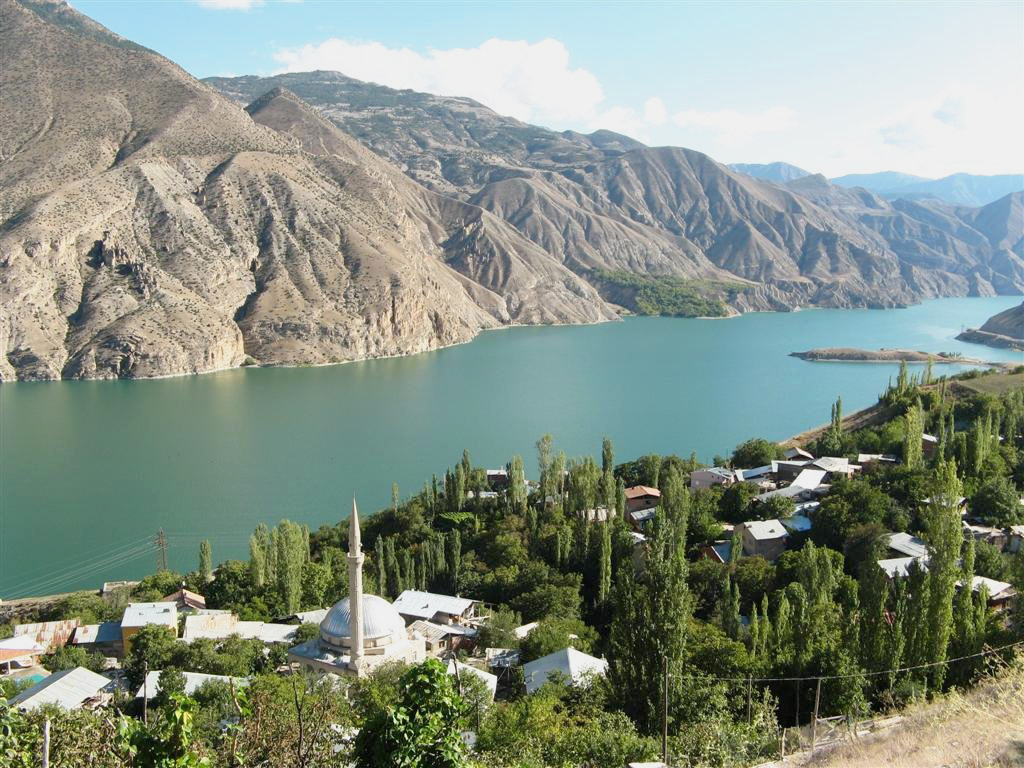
x,y
355,588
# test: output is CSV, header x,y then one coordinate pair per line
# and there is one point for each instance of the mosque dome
x,y
380,620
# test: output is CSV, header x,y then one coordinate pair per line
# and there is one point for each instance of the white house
x,y
572,665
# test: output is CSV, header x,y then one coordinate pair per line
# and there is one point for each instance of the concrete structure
x,y
572,666
77,688
701,479
766,538
139,615
361,631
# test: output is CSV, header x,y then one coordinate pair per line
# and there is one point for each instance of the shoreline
x,y
621,317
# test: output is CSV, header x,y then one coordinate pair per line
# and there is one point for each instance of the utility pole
x,y
664,714
161,550
46,743
750,680
814,722
145,693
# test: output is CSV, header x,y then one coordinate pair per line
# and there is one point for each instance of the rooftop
x,y
69,689
141,614
900,566
434,632
193,682
765,529
907,544
105,632
426,605
571,664
642,490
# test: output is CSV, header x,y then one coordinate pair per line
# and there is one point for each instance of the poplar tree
x,y
205,560
604,559
258,543
380,565
453,544
607,474
943,537
544,466
620,498
648,632
517,485
913,423
731,608
292,553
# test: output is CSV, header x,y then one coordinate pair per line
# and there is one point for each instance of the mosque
x,y
360,632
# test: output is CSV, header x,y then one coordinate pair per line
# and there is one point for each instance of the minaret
x,y
355,589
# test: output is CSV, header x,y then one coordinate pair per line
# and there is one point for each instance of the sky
x,y
927,88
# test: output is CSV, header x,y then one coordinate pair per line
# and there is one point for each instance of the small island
x,y
854,355
1005,330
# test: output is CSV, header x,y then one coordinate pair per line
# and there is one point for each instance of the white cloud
x,y
229,5
529,81
655,111
732,127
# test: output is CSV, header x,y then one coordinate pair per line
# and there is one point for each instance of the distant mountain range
x,y
152,224
958,189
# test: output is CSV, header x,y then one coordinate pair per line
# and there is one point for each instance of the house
x,y
442,609
77,688
719,551
1015,539
501,658
484,495
1000,593
797,453
929,443
524,630
905,545
701,479
997,537
220,625
571,665
642,497
138,615
639,518
762,477
796,524
875,458
193,682
835,466
766,538
899,567
442,638
49,634
104,637
460,670
19,652
187,602
497,479
597,515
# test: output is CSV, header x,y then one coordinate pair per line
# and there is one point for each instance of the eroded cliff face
x,y
153,228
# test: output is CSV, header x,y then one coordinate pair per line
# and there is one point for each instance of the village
x,y
364,631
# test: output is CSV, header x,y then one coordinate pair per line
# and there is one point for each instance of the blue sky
x,y
925,88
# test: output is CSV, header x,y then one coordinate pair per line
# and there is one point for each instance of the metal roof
x,y
491,681
907,544
193,682
573,665
67,689
426,605
796,523
141,614
637,491
995,588
380,619
809,478
900,566
106,632
434,631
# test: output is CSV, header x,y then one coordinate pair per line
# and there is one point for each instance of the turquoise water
x,y
89,470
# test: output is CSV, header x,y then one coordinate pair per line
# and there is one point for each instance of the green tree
x,y
205,561
648,637
555,634
755,452
168,743
153,645
997,502
607,474
913,431
943,537
604,560
258,543
70,656
517,484
421,730
292,546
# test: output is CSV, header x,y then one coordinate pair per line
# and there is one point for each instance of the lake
x,y
89,470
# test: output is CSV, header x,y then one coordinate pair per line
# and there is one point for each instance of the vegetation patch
x,y
667,296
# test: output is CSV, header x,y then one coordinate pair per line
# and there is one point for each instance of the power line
x,y
988,652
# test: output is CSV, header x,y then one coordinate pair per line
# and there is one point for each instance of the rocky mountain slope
x,y
1005,329
602,202
778,171
152,227
151,224
957,189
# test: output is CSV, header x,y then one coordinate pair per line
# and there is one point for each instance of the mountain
x,y
879,183
779,172
958,189
151,224
152,227
1005,329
